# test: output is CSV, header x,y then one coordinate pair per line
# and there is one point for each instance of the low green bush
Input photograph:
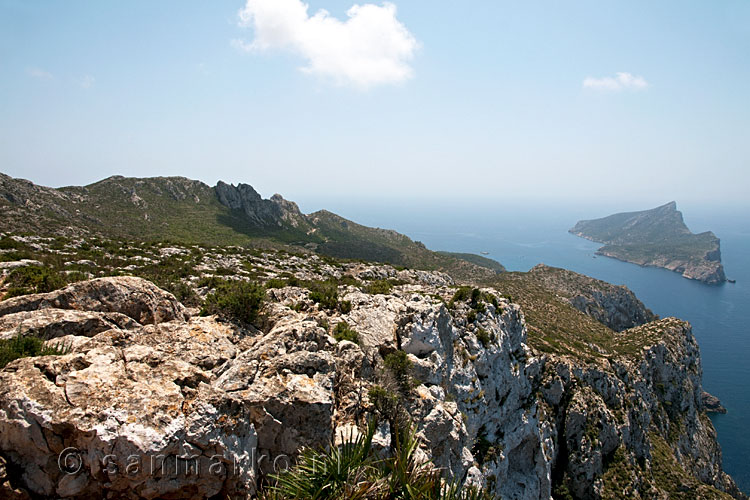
x,y
33,279
26,346
483,336
379,287
235,300
344,332
325,293
462,294
354,470
399,364
275,283
476,295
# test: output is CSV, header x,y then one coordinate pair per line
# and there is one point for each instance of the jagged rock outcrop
x,y
712,404
186,407
272,212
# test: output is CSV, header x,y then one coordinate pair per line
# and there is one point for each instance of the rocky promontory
x,y
657,238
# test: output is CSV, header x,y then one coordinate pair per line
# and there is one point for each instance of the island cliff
x,y
657,238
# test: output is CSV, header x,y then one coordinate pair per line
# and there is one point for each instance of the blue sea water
x,y
522,236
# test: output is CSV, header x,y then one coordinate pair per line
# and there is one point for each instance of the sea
x,y
522,234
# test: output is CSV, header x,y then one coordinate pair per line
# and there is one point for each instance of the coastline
x,y
686,269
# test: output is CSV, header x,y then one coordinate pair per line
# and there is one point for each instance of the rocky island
x,y
657,238
141,368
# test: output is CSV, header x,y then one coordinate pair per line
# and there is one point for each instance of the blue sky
x,y
492,103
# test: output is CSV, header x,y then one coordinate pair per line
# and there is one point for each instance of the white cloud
x,y
621,81
371,47
40,74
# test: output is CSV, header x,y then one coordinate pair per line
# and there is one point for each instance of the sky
x,y
411,100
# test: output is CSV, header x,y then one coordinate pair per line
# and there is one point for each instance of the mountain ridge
x,y
190,211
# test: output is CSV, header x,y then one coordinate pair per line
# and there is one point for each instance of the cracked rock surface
x,y
152,403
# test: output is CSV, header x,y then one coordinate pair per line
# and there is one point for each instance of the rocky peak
x,y
259,211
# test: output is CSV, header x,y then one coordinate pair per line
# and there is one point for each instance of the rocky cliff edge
x,y
150,402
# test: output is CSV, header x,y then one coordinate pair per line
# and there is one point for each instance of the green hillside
x,y
190,212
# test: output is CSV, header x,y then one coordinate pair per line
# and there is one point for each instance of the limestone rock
x,y
150,403
712,403
137,298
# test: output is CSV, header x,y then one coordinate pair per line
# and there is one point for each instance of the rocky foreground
x,y
151,401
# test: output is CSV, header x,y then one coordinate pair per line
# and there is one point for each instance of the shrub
x,y
209,282
476,294
24,347
293,281
325,293
344,332
183,292
483,336
353,470
483,449
275,283
33,279
471,316
386,403
345,306
493,300
462,294
8,243
379,287
235,300
399,364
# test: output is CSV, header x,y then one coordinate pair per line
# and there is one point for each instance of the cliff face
x,y
708,269
657,238
145,381
272,212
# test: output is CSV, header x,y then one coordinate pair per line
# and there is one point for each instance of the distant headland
x,y
658,238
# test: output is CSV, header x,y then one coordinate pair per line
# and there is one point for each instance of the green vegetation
x,y
344,332
235,300
188,212
476,299
169,274
33,279
352,471
477,260
379,287
399,364
462,294
27,346
13,250
484,337
326,294
483,449
666,475
556,327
